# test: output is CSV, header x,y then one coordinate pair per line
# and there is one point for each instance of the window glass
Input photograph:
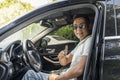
x,y
113,18
118,17
110,24
26,33
111,67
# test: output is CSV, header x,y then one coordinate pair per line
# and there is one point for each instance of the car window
x,y
118,17
111,67
113,18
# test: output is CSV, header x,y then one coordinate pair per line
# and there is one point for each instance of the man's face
x,y
80,28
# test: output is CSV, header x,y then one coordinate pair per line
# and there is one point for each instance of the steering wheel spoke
x,y
32,56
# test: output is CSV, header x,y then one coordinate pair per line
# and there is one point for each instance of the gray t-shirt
x,y
82,49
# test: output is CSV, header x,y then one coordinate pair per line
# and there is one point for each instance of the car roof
x,y
82,1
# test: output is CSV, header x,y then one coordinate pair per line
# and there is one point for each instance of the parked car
x,y
56,40
24,37
57,43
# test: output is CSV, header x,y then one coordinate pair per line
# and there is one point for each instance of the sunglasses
x,y
81,26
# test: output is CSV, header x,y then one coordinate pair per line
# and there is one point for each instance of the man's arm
x,y
63,59
74,71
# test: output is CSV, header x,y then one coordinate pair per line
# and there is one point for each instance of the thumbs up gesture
x,y
63,53
66,49
63,57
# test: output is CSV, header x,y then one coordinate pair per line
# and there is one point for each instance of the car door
x,y
55,44
111,66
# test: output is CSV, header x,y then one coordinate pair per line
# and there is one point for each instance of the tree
x,y
10,9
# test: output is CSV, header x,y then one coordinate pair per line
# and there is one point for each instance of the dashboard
x,y
11,60
17,58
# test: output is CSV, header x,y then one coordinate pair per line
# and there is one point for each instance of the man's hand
x,y
53,77
63,53
64,58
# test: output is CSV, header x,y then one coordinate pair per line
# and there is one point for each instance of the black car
x,y
23,46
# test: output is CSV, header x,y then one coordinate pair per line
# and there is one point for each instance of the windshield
x,y
26,33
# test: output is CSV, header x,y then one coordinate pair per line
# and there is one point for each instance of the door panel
x,y
50,60
112,60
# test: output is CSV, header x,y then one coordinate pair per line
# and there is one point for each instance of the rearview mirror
x,y
46,23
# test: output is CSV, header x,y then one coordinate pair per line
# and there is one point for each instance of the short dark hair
x,y
87,20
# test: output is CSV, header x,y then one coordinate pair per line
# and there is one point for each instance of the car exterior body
x,y
103,60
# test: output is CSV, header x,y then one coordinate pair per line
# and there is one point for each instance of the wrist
x,y
61,77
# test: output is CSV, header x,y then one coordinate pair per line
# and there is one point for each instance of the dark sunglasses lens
x,y
81,26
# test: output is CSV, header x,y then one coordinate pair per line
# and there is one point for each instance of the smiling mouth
x,y
79,33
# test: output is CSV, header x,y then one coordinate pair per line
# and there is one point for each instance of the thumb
x,y
66,49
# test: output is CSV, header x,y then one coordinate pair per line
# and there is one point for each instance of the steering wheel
x,y
32,56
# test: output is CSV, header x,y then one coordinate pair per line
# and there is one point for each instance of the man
x,y
77,57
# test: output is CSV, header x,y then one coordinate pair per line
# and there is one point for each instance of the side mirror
x,y
44,43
